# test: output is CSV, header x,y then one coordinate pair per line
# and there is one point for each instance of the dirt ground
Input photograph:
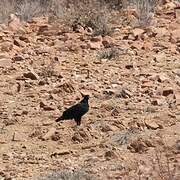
x,y
132,130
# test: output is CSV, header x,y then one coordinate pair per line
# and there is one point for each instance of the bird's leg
x,y
78,122
77,127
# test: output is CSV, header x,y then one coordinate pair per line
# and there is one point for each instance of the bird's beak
x,y
82,94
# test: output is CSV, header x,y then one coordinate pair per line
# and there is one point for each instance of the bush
x,y
90,13
6,8
110,54
27,9
145,9
96,14
68,175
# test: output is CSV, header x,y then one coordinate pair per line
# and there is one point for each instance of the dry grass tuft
x,y
96,14
90,13
68,175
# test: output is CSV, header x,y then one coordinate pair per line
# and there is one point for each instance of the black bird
x,y
76,112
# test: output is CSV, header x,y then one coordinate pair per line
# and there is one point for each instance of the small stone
x,y
124,93
107,41
175,35
153,77
177,14
42,29
177,145
18,137
177,97
151,124
46,107
167,91
42,82
44,49
19,43
148,46
69,36
106,128
160,32
136,45
160,57
178,116
109,92
47,123
24,39
4,63
129,66
110,155
96,39
56,136
162,78
24,112
6,46
31,75
147,84
61,152
177,72
177,80
89,30
80,136
40,20
80,29
18,58
49,134
95,45
138,146
137,32
8,177
158,101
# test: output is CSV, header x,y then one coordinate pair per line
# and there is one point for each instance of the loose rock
x,y
167,91
151,124
49,134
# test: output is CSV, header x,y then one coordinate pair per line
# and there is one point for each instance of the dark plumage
x,y
76,112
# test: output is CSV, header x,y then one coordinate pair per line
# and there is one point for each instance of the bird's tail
x,y
59,119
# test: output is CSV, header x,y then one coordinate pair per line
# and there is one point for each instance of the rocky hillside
x,y
133,79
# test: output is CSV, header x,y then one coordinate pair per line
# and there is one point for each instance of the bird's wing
x,y
76,111
71,112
